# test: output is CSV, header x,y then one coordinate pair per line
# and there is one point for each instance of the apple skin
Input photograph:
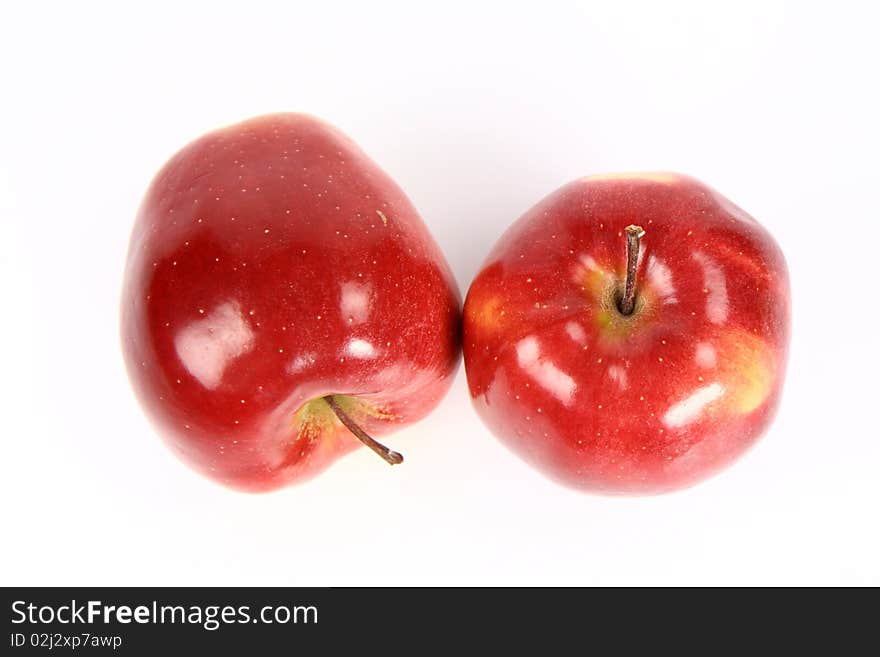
x,y
273,263
639,404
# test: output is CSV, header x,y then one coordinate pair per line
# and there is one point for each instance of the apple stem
x,y
628,301
390,456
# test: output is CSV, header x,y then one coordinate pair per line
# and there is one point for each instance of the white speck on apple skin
x,y
546,373
705,355
715,287
689,409
207,346
618,375
576,332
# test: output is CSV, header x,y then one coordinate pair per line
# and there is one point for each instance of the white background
x,y
478,110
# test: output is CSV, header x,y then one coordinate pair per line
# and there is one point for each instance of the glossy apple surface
x,y
642,403
272,263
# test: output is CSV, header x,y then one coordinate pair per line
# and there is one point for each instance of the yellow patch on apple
x,y
487,314
651,176
315,416
751,372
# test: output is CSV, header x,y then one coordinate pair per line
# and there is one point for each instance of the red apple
x,y
281,295
645,401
